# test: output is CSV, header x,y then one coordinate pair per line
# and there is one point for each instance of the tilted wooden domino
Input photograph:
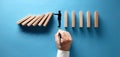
x,y
43,19
38,20
26,21
66,19
73,19
88,19
22,20
47,20
32,21
81,19
96,19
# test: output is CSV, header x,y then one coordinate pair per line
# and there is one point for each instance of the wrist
x,y
63,51
65,48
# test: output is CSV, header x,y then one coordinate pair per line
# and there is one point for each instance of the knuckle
x,y
68,40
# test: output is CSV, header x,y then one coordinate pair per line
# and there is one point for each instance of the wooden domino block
x,y
43,19
81,19
73,19
38,20
32,21
22,20
47,20
26,21
66,19
96,19
88,19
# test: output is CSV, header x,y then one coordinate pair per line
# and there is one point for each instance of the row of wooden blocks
x,y
88,20
33,20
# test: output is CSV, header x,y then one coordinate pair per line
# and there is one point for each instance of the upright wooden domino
x,y
26,21
47,20
66,19
38,20
22,20
43,19
88,19
96,19
32,21
81,19
73,19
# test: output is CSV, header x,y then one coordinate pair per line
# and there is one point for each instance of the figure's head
x,y
59,11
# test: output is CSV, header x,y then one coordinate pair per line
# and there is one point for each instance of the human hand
x,y
65,41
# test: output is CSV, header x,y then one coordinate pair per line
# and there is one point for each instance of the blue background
x,y
16,41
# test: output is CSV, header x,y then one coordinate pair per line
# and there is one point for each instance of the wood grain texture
x,y
96,19
38,20
43,19
32,21
23,19
29,19
47,20
66,19
88,19
73,19
81,19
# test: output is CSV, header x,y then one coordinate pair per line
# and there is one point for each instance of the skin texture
x,y
66,40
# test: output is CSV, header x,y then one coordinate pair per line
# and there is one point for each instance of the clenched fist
x,y
63,40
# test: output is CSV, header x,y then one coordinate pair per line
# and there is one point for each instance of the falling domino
x,y
38,20
66,19
73,19
22,20
26,21
32,21
81,19
88,19
42,21
96,19
47,20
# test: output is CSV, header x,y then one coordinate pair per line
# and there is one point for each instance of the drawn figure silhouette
x,y
59,18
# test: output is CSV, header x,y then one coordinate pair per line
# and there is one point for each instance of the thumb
x,y
57,39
